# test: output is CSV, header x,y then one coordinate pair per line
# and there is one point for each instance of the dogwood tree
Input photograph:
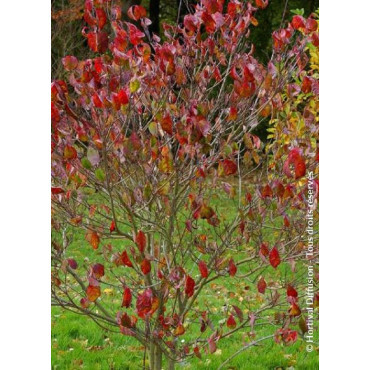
x,y
146,137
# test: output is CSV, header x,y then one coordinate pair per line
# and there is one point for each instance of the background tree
x,y
146,136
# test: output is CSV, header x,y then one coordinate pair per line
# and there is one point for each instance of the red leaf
x,y
70,62
203,125
166,124
262,4
98,270
191,23
227,168
145,266
84,302
136,12
244,88
217,74
315,39
89,19
56,281
238,313
295,158
286,221
93,238
213,6
209,22
233,8
290,337
97,141
56,191
69,152
233,114
300,168
72,263
55,116
197,352
189,286
125,320
266,191
298,22
279,189
122,97
119,99
140,241
101,17
231,323
127,298
135,34
112,226
316,300
291,292
146,304
232,268
287,336
264,251
311,25
261,285
122,259
206,212
76,220
180,330
294,310
98,42
203,269
274,257
125,259
97,101
99,65
93,293
211,344
306,85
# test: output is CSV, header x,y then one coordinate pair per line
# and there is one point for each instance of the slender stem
x,y
243,349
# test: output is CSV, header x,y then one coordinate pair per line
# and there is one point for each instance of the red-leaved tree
x,y
147,138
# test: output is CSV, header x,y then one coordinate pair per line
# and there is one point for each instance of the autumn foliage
x,y
146,136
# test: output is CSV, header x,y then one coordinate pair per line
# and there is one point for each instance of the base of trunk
x,y
155,357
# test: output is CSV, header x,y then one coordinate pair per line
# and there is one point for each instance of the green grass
x,y
79,343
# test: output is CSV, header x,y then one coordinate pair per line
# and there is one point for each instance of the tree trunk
x,y
155,357
171,364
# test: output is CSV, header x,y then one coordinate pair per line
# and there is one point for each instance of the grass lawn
x,y
79,343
